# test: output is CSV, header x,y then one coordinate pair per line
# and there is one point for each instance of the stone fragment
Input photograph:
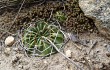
x,y
9,41
7,51
45,61
68,53
108,54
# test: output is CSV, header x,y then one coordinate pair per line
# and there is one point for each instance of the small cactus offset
x,y
60,16
33,38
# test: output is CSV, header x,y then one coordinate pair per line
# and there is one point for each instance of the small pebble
x,y
20,66
45,62
15,49
9,41
108,54
68,53
7,51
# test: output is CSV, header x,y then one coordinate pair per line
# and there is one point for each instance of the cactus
x,y
60,16
33,38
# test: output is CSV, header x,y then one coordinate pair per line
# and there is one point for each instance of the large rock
x,y
99,10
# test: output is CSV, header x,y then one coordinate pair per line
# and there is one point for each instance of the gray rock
x,y
99,10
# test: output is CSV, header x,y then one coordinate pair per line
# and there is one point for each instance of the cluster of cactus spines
x,y
33,38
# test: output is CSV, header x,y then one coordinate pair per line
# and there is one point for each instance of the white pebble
x,y
68,53
45,62
9,41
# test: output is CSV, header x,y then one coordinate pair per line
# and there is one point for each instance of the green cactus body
x,y
33,38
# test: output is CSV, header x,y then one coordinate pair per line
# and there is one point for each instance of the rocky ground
x,y
94,54
90,52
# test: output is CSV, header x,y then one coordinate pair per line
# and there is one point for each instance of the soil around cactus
x,y
97,59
